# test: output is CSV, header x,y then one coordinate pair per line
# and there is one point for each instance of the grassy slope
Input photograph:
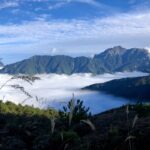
x,y
29,128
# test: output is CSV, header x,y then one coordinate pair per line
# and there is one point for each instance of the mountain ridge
x,y
111,60
133,88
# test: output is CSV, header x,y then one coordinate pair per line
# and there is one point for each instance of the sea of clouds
x,y
53,89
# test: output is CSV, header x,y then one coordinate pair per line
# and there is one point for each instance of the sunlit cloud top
x,y
71,27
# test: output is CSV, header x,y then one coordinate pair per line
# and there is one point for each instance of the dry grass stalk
x,y
134,121
53,124
26,78
72,106
130,137
89,123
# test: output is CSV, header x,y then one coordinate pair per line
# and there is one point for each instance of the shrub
x,y
142,110
74,112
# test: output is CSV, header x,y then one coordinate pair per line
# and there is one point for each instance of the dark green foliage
x,y
142,110
70,136
136,88
21,125
13,143
113,131
58,141
79,112
30,127
27,128
111,60
10,107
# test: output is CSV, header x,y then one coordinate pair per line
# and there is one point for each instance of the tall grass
x,y
26,78
130,137
71,111
89,123
52,124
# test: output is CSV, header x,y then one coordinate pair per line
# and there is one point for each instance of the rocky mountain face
x,y
111,60
121,59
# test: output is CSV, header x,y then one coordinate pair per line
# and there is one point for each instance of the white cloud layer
x,y
54,88
90,2
148,49
76,37
8,4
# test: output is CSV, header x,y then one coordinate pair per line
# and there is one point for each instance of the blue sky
x,y
71,27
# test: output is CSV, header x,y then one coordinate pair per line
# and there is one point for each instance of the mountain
x,y
54,64
1,64
137,88
121,59
111,60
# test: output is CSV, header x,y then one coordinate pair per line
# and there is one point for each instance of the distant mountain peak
x,y
111,60
116,50
118,47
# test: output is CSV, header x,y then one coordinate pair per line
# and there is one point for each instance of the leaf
x,y
62,136
134,121
130,137
127,109
72,107
52,124
66,146
88,122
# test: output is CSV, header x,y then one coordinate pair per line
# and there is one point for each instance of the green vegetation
x,y
74,112
135,88
142,110
19,110
33,128
73,128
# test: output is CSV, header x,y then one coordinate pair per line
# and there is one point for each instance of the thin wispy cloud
x,y
123,29
71,27
90,2
8,4
61,3
57,5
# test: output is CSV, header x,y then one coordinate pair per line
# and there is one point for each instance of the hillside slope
x,y
136,88
1,64
24,128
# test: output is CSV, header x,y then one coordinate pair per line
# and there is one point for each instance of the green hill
x,y
136,88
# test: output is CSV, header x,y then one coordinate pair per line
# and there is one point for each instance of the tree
x,y
74,112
